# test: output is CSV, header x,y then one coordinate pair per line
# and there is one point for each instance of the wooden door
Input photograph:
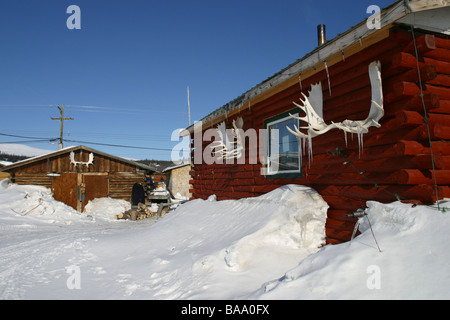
x,y
65,189
95,186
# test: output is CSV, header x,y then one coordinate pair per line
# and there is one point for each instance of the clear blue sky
x,y
123,76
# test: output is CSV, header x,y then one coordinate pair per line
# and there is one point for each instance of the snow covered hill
x,y
262,248
22,150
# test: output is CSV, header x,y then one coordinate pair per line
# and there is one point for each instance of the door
x,y
94,186
64,189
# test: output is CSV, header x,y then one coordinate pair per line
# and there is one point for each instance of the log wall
x,y
396,161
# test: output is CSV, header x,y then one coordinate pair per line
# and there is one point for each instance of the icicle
x,y
343,55
345,137
328,76
360,140
300,151
300,81
310,150
304,145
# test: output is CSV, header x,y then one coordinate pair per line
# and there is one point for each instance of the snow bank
x,y
35,203
413,262
106,208
270,247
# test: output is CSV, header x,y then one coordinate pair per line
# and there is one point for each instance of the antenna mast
x,y
189,106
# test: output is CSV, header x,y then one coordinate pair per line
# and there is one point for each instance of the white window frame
x,y
269,165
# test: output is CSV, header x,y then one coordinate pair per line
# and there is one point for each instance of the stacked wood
x,y
139,213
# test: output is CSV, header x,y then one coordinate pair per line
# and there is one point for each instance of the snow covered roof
x,y
175,167
73,148
431,15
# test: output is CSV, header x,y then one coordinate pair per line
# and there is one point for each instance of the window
x,y
283,156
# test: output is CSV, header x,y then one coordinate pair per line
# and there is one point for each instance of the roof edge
x,y
73,148
358,33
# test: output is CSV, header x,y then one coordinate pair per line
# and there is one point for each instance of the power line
x,y
26,137
120,146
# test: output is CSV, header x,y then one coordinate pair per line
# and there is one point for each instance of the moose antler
x,y
313,107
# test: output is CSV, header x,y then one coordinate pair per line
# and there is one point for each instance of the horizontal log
x,y
432,101
441,80
442,67
427,73
340,226
385,193
443,92
405,61
440,54
422,44
413,176
384,165
442,43
400,89
443,107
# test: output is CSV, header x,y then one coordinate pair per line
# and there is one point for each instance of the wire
x,y
120,146
26,141
425,117
25,137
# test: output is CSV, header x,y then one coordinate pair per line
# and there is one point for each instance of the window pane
x,y
283,147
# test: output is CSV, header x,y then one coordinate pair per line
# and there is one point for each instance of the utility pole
x,y
61,130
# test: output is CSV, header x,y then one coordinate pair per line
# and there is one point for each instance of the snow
x,y
22,150
270,247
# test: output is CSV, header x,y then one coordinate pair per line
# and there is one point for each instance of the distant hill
x,y
21,150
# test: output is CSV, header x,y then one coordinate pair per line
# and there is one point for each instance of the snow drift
x,y
270,247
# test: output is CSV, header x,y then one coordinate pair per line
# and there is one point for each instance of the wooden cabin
x,y
79,174
407,157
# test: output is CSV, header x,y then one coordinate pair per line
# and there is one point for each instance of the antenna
x,y
189,106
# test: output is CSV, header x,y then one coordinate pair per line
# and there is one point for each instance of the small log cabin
x,y
407,157
79,174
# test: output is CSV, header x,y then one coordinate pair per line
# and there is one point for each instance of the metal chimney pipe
x,y
321,34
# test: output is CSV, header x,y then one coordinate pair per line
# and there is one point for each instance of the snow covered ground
x,y
263,248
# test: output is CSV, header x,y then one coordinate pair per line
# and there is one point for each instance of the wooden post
x,y
61,129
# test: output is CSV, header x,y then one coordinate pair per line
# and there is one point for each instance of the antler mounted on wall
x,y
230,148
313,108
75,163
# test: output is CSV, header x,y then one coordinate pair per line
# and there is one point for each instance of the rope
x,y
425,116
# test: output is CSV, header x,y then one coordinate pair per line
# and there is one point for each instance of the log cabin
x,y
78,174
403,155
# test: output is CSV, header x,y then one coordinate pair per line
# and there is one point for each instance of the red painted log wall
x,y
396,161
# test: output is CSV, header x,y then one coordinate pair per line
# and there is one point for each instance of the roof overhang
x,y
429,15
75,148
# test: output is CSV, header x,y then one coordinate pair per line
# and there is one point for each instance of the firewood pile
x,y
141,212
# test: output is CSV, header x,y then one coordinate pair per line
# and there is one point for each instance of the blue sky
x,y
124,75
